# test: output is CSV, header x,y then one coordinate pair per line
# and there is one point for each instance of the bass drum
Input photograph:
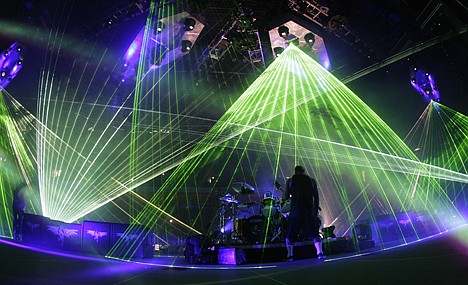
x,y
254,232
240,226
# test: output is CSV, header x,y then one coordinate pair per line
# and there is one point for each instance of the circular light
x,y
159,27
278,51
310,38
185,46
283,31
189,24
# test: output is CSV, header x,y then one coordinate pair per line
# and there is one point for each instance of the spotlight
x,y
185,46
159,27
310,39
283,31
189,24
278,51
293,40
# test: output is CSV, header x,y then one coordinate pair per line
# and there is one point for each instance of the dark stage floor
x,y
439,260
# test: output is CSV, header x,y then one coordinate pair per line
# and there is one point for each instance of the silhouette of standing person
x,y
19,206
303,193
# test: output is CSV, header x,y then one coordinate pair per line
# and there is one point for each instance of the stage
x,y
437,260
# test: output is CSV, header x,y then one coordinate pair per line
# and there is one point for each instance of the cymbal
x,y
243,188
228,198
269,198
248,204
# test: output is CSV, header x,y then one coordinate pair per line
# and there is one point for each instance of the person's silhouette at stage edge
x,y
303,193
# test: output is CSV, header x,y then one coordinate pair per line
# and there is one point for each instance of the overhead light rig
x,y
11,62
335,24
170,38
238,34
293,33
424,83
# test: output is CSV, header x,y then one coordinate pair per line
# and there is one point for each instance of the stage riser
x,y
201,250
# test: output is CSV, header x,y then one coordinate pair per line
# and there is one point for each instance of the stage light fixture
x,y
11,61
185,46
283,31
278,51
189,24
423,82
310,39
293,40
292,33
159,27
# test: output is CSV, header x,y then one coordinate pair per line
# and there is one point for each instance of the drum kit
x,y
250,222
